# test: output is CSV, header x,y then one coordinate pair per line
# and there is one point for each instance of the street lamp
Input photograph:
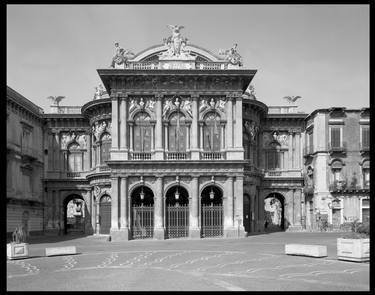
x,y
212,196
142,194
177,194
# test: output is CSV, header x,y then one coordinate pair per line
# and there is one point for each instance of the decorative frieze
x,y
100,127
177,102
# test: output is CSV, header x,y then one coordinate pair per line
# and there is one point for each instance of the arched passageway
x,y
177,212
274,212
212,212
105,214
142,213
75,212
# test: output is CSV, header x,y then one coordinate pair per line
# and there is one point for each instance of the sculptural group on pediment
x,y
232,56
213,103
142,103
99,128
176,45
121,56
177,103
70,137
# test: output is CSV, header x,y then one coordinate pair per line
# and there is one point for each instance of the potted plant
x,y
355,245
18,248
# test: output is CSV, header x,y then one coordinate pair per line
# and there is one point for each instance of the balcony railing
x,y
104,168
282,173
177,155
341,148
140,156
155,66
212,155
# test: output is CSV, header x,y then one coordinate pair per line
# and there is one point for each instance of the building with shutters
x,y
175,144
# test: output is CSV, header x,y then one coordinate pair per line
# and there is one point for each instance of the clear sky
x,y
320,52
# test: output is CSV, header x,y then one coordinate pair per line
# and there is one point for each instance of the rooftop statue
x,y
176,44
232,55
99,91
56,99
121,55
292,99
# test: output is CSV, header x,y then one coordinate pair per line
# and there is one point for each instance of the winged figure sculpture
x,y
56,99
292,99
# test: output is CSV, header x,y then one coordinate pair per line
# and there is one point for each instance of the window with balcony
x,y
142,133
75,156
105,147
273,157
177,133
211,133
365,138
365,210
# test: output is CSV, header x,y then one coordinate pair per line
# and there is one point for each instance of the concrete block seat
x,y
67,250
306,250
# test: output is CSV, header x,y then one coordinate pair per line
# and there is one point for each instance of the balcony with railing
x,y
140,156
282,173
177,155
212,156
337,147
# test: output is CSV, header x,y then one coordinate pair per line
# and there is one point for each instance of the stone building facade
x,y
176,144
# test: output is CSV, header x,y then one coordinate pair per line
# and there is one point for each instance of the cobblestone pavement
x,y
253,263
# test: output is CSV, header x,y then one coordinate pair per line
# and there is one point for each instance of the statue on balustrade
x,y
232,55
121,55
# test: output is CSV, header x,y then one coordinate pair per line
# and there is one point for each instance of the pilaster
x,y
194,129
159,231
123,127
114,131
114,205
229,229
159,155
194,230
239,206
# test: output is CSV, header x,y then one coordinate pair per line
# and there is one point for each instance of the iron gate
x,y
142,226
212,221
177,222
105,217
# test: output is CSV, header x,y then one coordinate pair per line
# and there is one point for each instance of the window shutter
x,y
335,137
365,137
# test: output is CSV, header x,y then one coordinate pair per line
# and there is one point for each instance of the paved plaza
x,y
255,263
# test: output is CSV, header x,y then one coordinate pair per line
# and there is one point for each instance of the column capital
x,y
159,96
194,96
124,96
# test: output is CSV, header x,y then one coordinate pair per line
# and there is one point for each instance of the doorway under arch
x,y
105,214
212,213
74,215
177,212
142,213
274,207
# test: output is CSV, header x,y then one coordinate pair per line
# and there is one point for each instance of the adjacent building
x,y
176,144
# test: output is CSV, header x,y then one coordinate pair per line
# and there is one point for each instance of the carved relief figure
x,y
203,106
282,139
187,107
220,104
177,102
176,44
141,103
251,128
212,103
167,106
133,105
150,105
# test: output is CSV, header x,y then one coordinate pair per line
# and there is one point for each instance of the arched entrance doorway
x,y
211,212
274,212
246,213
105,214
74,215
177,212
142,213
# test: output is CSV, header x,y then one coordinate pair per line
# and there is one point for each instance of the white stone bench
x,y
68,250
306,250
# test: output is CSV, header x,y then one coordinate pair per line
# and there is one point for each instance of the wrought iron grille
x,y
142,226
177,221
212,221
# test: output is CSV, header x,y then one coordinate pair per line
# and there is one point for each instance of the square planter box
x,y
15,251
357,250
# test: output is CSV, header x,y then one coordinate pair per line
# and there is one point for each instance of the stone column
x,y
297,151
253,210
114,132
238,132
131,147
201,136
194,129
114,208
297,208
239,206
222,135
98,215
159,232
124,233
123,126
57,151
89,151
159,129
187,138
93,211
290,151
229,137
166,137
194,230
229,230
57,210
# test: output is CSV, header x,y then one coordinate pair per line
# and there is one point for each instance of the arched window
x,y
75,156
211,133
177,133
142,133
105,147
273,156
366,174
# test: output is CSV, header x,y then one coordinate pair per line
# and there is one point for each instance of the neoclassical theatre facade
x,y
175,144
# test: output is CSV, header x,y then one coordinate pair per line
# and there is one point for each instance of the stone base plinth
x,y
195,154
159,234
194,233
235,154
120,234
119,155
159,155
293,228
